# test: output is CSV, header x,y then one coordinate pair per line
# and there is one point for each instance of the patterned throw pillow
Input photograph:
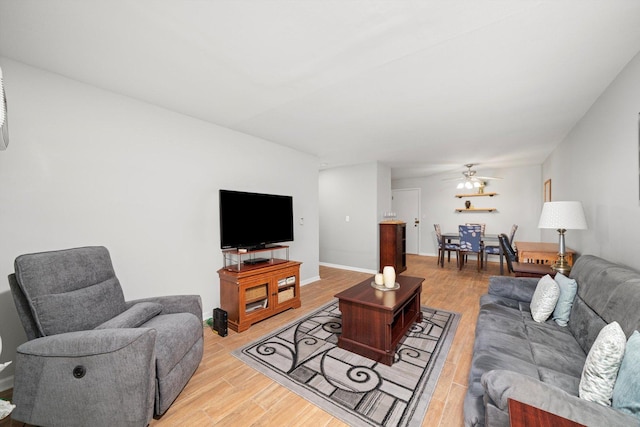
x,y
603,362
626,392
544,299
568,288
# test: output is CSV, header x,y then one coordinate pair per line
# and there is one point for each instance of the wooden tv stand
x,y
258,291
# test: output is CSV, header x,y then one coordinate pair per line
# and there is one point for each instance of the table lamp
x,y
562,216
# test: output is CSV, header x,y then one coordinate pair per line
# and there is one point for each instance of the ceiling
x,y
423,86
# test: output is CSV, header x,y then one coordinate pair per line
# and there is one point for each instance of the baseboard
x,y
346,267
425,254
311,280
6,383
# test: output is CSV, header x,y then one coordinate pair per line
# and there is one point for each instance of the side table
x,y
523,415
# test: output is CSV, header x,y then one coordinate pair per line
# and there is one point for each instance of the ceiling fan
x,y
471,180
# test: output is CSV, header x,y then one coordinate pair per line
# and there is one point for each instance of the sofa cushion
x,y
626,391
609,290
70,290
544,299
603,362
135,316
557,353
78,310
568,288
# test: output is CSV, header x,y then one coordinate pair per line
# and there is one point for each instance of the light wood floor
x,y
225,391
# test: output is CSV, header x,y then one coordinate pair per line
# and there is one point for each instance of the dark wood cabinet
x,y
393,245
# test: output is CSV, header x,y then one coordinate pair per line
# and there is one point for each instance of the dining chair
x,y
522,269
444,246
470,242
495,249
482,225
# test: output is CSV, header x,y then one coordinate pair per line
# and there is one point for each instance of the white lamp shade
x,y
563,215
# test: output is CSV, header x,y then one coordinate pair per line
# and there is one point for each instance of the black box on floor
x,y
220,321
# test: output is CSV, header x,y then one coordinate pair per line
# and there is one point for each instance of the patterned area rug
x,y
304,357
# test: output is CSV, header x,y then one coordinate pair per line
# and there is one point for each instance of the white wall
x,y
519,201
597,164
361,192
89,167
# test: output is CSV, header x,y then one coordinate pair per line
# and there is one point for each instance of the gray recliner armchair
x,y
93,358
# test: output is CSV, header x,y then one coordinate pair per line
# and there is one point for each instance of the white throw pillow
x,y
544,299
603,362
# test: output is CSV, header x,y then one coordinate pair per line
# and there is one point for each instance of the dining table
x,y
542,252
486,238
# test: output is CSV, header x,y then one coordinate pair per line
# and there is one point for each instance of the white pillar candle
x,y
379,279
389,274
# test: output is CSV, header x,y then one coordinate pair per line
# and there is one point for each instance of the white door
x,y
406,204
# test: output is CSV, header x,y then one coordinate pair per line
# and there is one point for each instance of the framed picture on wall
x,y
547,190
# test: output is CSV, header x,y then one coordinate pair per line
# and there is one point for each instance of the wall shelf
x,y
460,196
476,210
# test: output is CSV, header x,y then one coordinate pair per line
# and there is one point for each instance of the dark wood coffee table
x,y
374,322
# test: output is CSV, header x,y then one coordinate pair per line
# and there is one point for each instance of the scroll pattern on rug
x,y
304,357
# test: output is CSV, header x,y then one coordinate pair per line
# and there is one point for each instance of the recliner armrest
x,y
108,378
175,304
501,385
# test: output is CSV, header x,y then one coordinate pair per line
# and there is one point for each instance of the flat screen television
x,y
254,220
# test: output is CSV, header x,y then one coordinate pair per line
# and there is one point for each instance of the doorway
x,y
406,204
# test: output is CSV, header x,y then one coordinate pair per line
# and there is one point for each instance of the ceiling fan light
x,y
460,185
468,185
477,184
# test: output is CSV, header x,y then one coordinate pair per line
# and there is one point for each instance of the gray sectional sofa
x,y
541,363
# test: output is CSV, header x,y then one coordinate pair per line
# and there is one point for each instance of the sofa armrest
x,y
108,378
501,385
517,288
175,304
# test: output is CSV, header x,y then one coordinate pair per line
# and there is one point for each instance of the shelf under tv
x,y
238,259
